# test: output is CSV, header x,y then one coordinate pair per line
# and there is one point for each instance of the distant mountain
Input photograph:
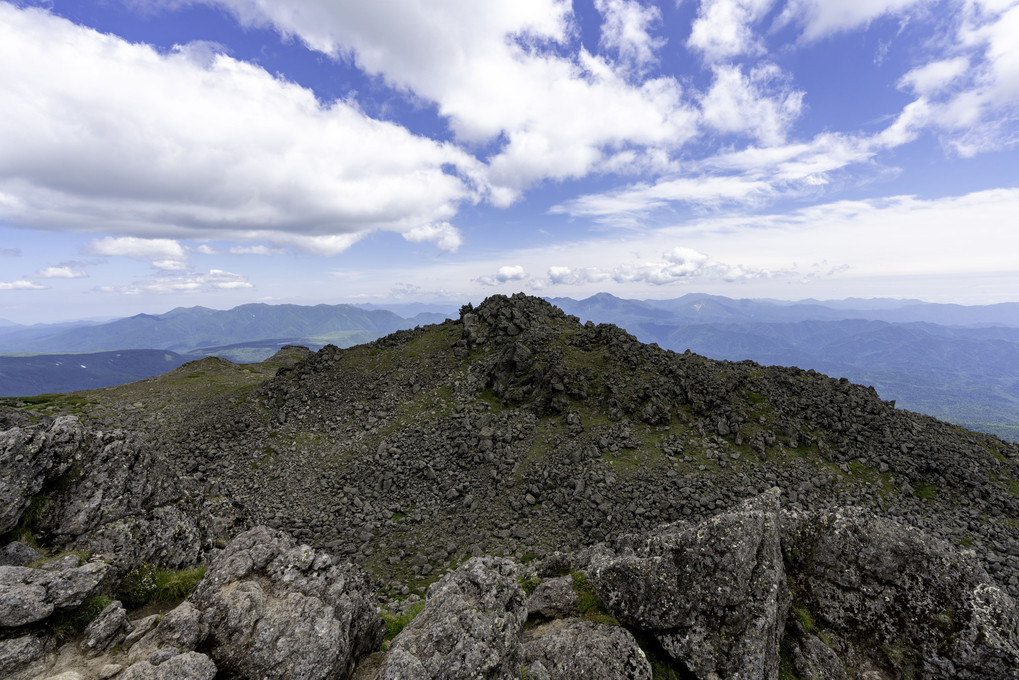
x,y
44,373
703,308
958,369
186,329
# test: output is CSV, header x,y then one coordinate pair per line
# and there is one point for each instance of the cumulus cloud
x,y
97,130
724,28
61,271
505,274
676,265
626,29
189,282
935,76
498,72
759,103
21,285
131,246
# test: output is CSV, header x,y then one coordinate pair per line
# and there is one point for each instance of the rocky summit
x,y
512,494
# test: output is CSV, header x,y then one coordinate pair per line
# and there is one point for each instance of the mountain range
x,y
958,363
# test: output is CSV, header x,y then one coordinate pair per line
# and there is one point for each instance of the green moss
x,y
804,617
756,398
925,491
529,584
589,605
397,622
83,555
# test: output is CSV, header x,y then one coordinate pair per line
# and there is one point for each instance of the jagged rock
x,y
29,458
28,595
895,597
273,609
469,629
129,504
186,666
554,598
179,630
17,554
106,630
814,660
17,653
714,594
573,649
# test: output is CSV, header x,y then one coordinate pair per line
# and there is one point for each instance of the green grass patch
x,y
589,605
529,584
397,622
756,398
69,624
172,586
83,555
927,492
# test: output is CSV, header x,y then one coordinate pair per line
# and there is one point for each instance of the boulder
x,y
714,594
17,554
17,653
106,630
186,666
28,595
574,649
893,597
273,609
30,457
469,629
554,598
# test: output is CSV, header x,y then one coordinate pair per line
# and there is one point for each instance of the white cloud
x,y
9,252
933,77
170,265
206,249
723,28
822,18
21,285
131,246
254,250
676,265
65,271
189,282
505,274
98,133
625,204
490,69
627,30
443,234
760,103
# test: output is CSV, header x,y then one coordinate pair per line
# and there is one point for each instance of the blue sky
x,y
165,153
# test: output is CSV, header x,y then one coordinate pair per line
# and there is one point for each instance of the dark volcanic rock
x,y
572,649
273,609
469,629
714,594
891,596
28,595
30,457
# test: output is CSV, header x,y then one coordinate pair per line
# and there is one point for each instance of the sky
x,y
165,153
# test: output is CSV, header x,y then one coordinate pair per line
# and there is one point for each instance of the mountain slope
x,y
517,429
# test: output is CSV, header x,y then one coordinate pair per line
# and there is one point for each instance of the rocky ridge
x,y
721,492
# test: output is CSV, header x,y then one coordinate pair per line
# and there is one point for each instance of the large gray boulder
x,y
186,666
28,595
714,594
19,652
469,629
574,649
128,503
106,630
30,457
892,597
273,609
